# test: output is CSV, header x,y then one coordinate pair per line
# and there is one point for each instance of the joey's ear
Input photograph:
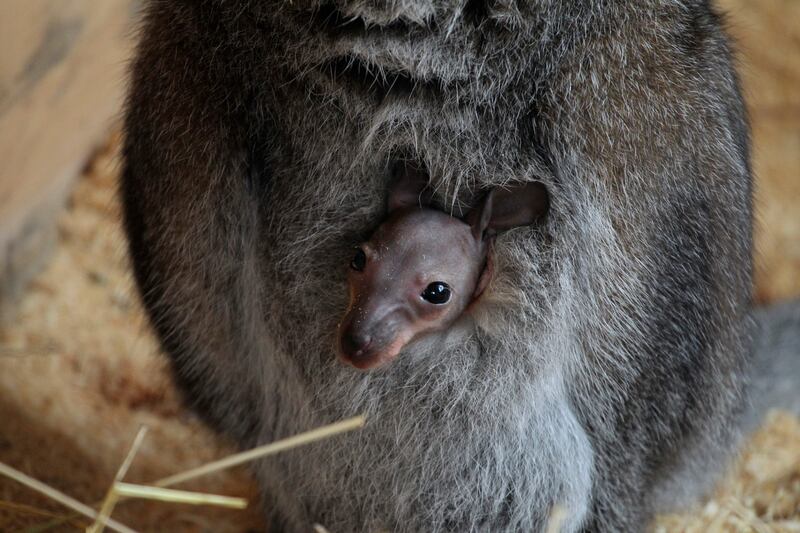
x,y
481,215
519,205
408,187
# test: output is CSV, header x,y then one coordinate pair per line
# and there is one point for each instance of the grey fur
x,y
610,354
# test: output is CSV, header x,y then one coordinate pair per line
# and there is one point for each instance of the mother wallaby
x,y
605,366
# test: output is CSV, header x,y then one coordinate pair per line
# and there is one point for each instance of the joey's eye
x,y
437,293
359,260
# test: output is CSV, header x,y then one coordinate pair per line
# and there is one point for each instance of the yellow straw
x,y
262,451
60,497
112,498
129,490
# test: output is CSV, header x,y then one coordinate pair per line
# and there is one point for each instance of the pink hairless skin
x,y
422,269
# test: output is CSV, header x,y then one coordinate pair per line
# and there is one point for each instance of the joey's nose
x,y
355,343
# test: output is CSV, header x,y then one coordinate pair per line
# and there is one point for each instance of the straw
x,y
60,497
147,492
301,439
308,437
111,498
557,517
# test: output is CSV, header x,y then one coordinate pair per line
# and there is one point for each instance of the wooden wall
x,y
62,64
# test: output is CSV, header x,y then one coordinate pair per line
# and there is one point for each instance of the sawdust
x,y
762,491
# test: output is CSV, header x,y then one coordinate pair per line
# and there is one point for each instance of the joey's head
x,y
422,268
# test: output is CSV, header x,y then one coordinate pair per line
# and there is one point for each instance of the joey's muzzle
x,y
366,345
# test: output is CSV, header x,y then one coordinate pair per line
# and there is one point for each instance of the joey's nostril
x,y
354,343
